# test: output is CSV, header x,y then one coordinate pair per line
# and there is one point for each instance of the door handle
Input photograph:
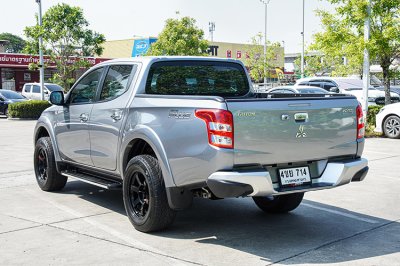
x,y
84,117
116,115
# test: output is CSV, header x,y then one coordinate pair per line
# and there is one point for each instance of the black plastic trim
x,y
227,189
179,198
360,175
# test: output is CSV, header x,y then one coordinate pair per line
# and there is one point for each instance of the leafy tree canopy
x,y
255,57
180,37
65,34
16,44
343,34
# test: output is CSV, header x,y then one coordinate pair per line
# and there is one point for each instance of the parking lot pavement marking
x,y
134,243
379,159
348,215
378,152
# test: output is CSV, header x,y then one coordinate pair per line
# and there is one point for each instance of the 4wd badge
x,y
301,133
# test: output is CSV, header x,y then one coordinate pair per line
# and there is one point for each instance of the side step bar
x,y
94,180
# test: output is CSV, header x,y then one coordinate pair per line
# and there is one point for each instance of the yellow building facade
x,y
138,46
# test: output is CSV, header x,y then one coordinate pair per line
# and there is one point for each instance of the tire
x,y
144,195
44,163
279,204
6,112
391,127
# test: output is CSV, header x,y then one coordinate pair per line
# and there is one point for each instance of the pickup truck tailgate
x,y
271,131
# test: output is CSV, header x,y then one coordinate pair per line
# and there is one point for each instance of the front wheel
x,y
44,164
279,204
144,194
391,127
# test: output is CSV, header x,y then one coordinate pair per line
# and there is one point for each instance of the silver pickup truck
x,y
167,129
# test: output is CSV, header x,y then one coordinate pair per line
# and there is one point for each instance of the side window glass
x,y
36,89
316,84
85,90
116,81
303,83
328,85
27,88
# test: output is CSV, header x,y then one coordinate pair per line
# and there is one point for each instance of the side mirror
x,y
57,98
334,90
1,99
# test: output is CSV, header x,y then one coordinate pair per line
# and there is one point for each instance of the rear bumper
x,y
259,183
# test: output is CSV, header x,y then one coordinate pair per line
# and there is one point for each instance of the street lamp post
x,y
41,52
366,65
265,2
302,51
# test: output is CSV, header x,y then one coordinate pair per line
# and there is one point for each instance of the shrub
x,y
29,109
371,119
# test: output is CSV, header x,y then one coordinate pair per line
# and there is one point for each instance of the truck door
x,y
108,115
35,93
72,129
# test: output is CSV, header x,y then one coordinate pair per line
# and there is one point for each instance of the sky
x,y
236,20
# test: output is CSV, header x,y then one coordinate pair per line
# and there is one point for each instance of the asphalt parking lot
x,y
357,224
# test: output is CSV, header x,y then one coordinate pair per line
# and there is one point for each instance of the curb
x,y
21,119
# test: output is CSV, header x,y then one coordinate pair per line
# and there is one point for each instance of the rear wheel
x,y
44,164
391,127
6,112
279,204
144,194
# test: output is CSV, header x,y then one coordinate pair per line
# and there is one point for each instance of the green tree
x,y
66,40
343,33
255,57
180,37
319,64
16,44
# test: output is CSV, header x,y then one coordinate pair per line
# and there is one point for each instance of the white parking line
x,y
348,215
97,225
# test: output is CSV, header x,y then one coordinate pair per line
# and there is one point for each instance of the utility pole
x,y
265,2
211,28
302,51
366,64
41,64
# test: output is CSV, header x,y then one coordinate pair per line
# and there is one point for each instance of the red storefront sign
x,y
23,60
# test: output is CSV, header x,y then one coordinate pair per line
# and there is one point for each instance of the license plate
x,y
294,176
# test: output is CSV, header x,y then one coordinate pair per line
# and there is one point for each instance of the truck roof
x,y
151,59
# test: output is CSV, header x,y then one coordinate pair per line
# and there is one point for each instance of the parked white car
x,y
388,121
298,89
33,90
348,86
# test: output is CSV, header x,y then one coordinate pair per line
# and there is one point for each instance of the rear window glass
x,y
11,94
197,78
53,87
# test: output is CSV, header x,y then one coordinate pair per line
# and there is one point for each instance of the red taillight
x,y
360,122
219,126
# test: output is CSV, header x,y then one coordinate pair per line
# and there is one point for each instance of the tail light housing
x,y
360,122
219,126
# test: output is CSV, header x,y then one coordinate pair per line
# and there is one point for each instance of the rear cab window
x,y
36,89
191,77
27,88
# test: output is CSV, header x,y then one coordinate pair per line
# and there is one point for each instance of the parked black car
x,y
7,97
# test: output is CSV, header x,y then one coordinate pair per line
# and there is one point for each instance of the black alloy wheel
x,y
139,195
42,163
144,195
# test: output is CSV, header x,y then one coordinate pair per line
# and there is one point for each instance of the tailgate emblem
x,y
301,133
